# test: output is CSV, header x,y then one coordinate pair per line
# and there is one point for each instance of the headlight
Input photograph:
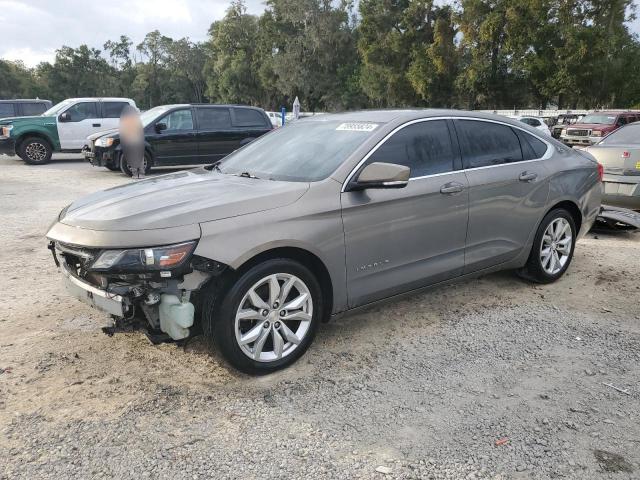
x,y
563,131
596,133
6,130
104,142
144,259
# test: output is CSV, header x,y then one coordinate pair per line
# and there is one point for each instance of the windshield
x,y
599,118
150,115
304,151
57,108
629,135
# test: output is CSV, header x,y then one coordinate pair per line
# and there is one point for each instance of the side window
x,y
622,120
532,148
424,147
247,117
83,111
178,120
30,109
213,118
112,109
7,110
487,143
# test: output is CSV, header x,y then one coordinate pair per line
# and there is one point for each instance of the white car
x,y
275,118
535,122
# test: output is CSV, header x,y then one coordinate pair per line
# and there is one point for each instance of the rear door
x,y
508,189
177,144
216,136
84,120
401,239
250,123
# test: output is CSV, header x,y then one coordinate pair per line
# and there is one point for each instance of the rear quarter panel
x,y
574,177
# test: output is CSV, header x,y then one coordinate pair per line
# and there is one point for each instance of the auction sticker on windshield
x,y
357,127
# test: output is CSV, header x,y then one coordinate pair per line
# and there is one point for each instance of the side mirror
x,y
65,117
382,175
160,127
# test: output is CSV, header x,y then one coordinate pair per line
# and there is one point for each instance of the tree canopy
x,y
335,55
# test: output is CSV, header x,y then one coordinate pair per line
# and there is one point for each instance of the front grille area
x,y
576,132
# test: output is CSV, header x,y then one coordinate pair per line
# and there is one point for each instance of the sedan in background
x,y
535,122
619,154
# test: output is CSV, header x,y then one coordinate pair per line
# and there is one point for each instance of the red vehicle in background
x,y
594,126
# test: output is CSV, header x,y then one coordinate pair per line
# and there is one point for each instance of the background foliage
x,y
386,53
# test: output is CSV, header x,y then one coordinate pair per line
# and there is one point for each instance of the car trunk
x,y
618,160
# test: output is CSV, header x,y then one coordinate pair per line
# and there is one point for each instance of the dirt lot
x,y
492,378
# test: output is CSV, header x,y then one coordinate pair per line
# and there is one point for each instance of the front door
x,y
508,190
176,144
401,239
81,120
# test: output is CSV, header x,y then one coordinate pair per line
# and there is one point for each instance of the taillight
x,y
600,171
626,154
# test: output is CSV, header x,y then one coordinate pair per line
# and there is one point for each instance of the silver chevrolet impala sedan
x,y
324,216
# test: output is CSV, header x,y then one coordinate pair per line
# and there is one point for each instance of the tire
x,y
124,168
557,236
35,151
240,314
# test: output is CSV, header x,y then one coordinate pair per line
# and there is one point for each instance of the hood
x,y
592,126
38,119
104,133
178,199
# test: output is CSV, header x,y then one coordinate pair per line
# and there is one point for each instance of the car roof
x,y
386,116
104,99
25,100
179,105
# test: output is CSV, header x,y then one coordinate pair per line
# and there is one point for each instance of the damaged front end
x,y
157,282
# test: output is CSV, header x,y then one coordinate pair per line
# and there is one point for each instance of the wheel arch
x,y
32,134
570,207
303,256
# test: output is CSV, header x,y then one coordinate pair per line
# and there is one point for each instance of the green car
x,y
63,128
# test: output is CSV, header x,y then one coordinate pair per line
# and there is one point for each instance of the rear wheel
x,y
552,249
124,168
35,151
267,319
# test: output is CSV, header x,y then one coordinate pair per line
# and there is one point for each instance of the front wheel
x,y
124,168
35,151
552,249
268,317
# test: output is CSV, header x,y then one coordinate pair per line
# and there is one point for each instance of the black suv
x,y
23,108
177,135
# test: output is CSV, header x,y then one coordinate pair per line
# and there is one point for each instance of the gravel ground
x,y
490,378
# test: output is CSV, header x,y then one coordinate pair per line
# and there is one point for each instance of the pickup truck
x,y
63,128
594,126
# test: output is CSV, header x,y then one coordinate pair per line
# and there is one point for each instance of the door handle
x,y
451,187
527,176
96,125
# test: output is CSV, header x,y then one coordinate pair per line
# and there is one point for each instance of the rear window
x,y
532,147
213,118
247,117
6,110
30,109
112,109
487,143
628,135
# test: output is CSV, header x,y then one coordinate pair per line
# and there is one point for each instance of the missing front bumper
x,y
92,296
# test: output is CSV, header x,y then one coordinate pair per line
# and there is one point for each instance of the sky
x,y
33,29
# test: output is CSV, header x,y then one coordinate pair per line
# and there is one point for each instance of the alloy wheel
x,y
556,245
36,151
273,317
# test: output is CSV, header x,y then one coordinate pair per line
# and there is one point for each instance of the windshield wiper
x,y
247,175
